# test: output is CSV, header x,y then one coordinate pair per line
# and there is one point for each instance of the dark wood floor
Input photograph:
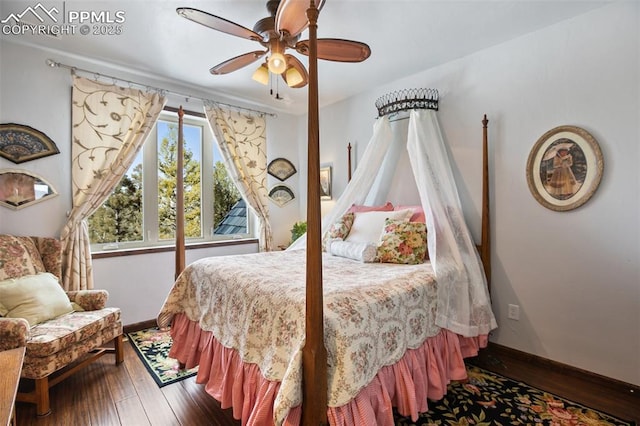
x,y
103,394
610,396
108,395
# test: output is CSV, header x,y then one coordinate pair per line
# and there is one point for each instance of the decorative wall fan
x,y
281,168
277,33
281,194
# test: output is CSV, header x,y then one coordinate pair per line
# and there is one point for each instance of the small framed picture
x,y
564,168
325,182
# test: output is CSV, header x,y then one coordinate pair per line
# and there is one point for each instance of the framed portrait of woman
x,y
564,168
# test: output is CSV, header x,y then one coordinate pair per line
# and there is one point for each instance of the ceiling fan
x,y
277,33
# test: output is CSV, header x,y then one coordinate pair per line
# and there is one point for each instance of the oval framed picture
x,y
564,168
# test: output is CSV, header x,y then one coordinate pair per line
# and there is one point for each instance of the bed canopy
x,y
452,252
463,304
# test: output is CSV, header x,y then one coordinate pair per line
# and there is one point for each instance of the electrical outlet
x,y
514,312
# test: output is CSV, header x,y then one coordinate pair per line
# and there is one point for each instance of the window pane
x,y
119,219
167,165
229,209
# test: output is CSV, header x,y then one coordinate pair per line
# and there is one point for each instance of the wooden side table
x,y
11,366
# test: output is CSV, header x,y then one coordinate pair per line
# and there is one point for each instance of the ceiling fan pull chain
x,y
278,89
271,85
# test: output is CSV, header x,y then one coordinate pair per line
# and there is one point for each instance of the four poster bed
x,y
303,336
242,320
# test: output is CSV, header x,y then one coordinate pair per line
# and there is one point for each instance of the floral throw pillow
x,y
19,256
403,242
339,230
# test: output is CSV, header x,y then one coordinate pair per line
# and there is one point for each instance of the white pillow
x,y
367,226
363,252
36,298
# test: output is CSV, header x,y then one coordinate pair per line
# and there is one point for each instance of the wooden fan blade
x,y
237,62
335,49
217,23
294,62
292,15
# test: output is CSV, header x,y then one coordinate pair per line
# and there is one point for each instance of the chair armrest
x,y
14,333
89,300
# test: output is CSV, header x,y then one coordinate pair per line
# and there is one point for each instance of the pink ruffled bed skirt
x,y
421,374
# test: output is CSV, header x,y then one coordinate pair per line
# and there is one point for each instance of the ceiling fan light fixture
x,y
293,77
261,75
277,63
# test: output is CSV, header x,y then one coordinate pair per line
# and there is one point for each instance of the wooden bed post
x,y
349,162
180,197
485,248
314,354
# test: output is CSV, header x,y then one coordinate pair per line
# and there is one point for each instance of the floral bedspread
x,y
255,304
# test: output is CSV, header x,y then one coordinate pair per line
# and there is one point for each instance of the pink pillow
x,y
387,207
418,213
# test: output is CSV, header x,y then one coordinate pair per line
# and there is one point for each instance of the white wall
x,y
139,284
283,141
575,275
39,96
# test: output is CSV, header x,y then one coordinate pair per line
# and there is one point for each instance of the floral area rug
x,y
152,346
490,399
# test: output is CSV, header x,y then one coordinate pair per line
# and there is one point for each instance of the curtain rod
x,y
54,64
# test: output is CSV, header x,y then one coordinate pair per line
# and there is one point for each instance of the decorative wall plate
x,y
281,168
20,143
281,195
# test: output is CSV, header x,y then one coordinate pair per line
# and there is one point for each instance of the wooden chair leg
x,y
42,397
119,349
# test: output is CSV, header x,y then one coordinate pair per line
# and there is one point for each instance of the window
x,y
141,210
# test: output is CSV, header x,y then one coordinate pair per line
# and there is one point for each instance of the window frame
x,y
150,179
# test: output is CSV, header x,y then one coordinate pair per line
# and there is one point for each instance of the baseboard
x,y
130,328
497,350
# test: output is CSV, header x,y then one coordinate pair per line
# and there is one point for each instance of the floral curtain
x,y
241,136
109,126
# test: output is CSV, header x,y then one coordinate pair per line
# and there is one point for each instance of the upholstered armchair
x,y
62,331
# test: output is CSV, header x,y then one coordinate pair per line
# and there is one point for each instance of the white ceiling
x,y
405,37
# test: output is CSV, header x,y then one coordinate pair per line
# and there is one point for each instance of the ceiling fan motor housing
x,y
266,27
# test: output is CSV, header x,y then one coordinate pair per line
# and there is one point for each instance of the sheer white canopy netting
x,y
463,298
